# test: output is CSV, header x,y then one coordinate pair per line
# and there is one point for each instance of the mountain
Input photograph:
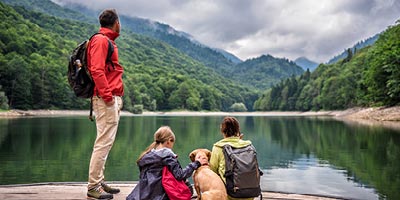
x,y
264,71
33,62
368,77
218,60
305,63
359,45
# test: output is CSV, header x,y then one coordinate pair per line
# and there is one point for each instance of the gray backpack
x,y
242,173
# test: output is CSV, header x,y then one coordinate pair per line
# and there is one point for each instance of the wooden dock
x,y
72,191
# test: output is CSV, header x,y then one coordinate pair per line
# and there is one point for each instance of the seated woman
x,y
232,136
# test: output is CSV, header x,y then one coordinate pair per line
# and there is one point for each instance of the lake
x,y
308,155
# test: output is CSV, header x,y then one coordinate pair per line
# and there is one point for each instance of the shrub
x,y
138,109
238,107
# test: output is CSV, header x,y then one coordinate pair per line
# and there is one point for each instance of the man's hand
x,y
111,103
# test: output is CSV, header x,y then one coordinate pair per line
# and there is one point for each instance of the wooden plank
x,y
75,191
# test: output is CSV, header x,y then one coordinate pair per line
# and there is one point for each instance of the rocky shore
x,y
388,117
374,114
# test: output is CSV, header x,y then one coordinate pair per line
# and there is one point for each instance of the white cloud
x,y
317,29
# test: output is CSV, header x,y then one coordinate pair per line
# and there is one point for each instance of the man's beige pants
x,y
107,118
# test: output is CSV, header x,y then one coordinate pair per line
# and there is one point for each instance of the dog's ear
x,y
192,155
208,153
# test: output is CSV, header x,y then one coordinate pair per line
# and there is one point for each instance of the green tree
x,y
383,76
3,100
16,81
238,107
185,97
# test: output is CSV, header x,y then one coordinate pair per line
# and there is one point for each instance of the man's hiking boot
x,y
98,193
109,189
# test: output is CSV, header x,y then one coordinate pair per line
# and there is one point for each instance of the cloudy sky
x,y
317,29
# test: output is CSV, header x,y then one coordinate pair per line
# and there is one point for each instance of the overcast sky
x,y
316,29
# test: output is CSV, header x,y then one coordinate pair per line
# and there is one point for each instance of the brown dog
x,y
208,184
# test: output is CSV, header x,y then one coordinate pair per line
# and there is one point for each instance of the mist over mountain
x,y
229,56
305,63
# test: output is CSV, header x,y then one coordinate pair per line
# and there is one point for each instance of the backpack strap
x,y
91,110
227,150
109,52
108,59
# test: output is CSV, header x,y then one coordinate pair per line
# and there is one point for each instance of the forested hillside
x,y
33,64
264,71
220,61
368,77
180,40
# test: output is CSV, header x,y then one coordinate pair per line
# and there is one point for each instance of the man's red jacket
x,y
107,79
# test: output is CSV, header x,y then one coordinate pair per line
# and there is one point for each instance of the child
x,y
151,163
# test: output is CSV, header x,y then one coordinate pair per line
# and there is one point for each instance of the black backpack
x,y
79,77
242,173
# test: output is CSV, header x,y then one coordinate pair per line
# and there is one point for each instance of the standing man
x,y
107,101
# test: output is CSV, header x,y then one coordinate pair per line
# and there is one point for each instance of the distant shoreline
x,y
388,116
377,114
31,113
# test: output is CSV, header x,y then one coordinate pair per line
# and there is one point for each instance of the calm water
x,y
302,155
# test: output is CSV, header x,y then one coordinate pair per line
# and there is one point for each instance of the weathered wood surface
x,y
71,191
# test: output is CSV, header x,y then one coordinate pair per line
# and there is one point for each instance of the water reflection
x,y
309,175
298,154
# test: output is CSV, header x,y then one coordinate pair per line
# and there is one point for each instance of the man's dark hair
x,y
108,17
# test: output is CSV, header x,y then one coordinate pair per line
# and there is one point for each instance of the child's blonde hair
x,y
163,134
